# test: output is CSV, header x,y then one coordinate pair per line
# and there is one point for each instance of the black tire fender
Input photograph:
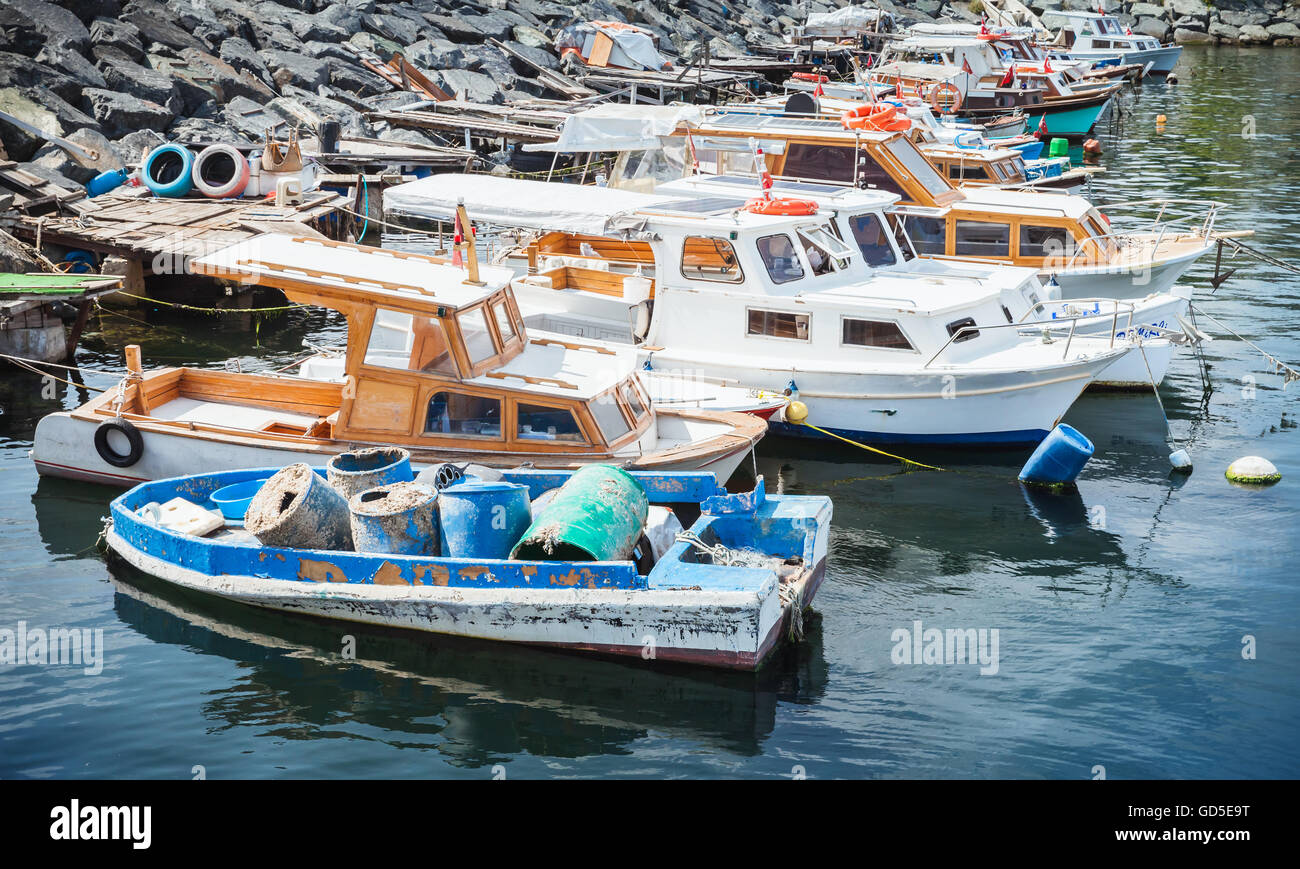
x,y
132,435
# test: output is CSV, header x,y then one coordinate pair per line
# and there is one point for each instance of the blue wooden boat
x,y
724,594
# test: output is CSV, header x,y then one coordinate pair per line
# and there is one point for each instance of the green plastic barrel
x,y
1058,148
598,515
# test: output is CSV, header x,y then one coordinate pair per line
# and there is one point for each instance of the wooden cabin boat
x,y
775,301
1062,236
1095,37
691,606
967,76
438,361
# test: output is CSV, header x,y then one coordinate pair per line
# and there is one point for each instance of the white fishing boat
x,y
438,361
1096,37
763,299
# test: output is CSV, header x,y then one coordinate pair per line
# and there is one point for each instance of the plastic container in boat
x,y
598,515
233,500
479,519
167,170
398,519
358,470
1059,458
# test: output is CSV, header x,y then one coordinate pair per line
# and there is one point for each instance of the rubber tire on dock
x,y
132,435
167,170
220,158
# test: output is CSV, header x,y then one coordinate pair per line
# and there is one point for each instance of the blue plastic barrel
x,y
1059,458
482,520
106,181
167,170
83,261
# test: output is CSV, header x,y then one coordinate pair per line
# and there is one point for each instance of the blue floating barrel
x,y
167,170
482,520
1059,458
398,519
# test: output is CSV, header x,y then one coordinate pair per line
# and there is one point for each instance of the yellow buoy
x,y
1160,119
796,413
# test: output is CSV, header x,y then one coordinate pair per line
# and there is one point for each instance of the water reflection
x,y
474,702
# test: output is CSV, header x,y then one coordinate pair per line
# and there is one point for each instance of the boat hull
x,y
1067,121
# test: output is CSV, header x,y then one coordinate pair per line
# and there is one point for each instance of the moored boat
x,y
724,595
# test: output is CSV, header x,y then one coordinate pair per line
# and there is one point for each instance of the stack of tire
x,y
218,171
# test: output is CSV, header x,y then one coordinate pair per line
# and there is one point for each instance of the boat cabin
x,y
432,360
1089,31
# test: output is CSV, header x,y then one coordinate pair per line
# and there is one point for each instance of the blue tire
x,y
167,170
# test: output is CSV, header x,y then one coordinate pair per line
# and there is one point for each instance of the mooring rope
x,y
271,310
1289,374
905,461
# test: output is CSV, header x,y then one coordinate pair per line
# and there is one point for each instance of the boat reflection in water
x,y
472,702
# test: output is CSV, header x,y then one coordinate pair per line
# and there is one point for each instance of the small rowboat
x,y
723,594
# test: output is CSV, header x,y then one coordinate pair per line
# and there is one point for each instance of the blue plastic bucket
x,y
1059,458
482,520
167,170
233,500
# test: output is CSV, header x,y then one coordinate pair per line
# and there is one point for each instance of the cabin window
x,y
819,162
478,336
778,324
505,326
632,396
1101,43
609,417
914,162
872,240
1045,241
968,171
929,234
824,251
957,325
977,238
710,259
409,343
537,422
896,225
455,413
873,333
780,258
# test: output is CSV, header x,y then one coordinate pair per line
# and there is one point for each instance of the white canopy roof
x,y
619,127
525,204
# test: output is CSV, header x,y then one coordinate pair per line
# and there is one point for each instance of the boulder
x,y
1184,36
119,114
132,79
122,35
356,79
1224,32
289,67
19,71
217,75
156,24
89,10
1153,27
1242,17
241,55
466,85
45,170
1188,9
71,62
473,29
1146,10
15,256
435,54
531,36
34,24
1283,30
1251,34
109,155
18,143
54,159
206,130
1187,23
137,145
396,28
539,56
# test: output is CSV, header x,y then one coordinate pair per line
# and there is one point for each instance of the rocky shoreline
x,y
121,76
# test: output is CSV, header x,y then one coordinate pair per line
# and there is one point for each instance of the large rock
x,y
1184,36
19,71
1242,17
539,56
473,29
1188,9
89,10
119,114
1253,34
146,84
34,24
396,28
18,143
71,62
435,54
225,80
531,36
1224,32
241,55
1284,30
122,35
289,67
472,86
1153,27
156,24
1146,10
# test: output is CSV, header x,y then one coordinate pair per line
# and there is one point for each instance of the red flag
x,y
1047,65
1128,31
458,237
965,67
764,176
983,29
1009,78
1100,11
1042,127
818,92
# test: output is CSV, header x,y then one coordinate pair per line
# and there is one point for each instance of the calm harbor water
x,y
1121,610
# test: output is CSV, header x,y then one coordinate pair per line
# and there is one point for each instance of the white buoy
x,y
1180,460
1255,470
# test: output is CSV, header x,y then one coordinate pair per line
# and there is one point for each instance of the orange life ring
x,y
947,88
776,205
810,76
868,116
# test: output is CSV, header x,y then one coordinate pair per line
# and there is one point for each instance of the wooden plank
x,y
601,46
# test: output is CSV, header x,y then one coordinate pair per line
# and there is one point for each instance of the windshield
x,y
825,252
872,239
